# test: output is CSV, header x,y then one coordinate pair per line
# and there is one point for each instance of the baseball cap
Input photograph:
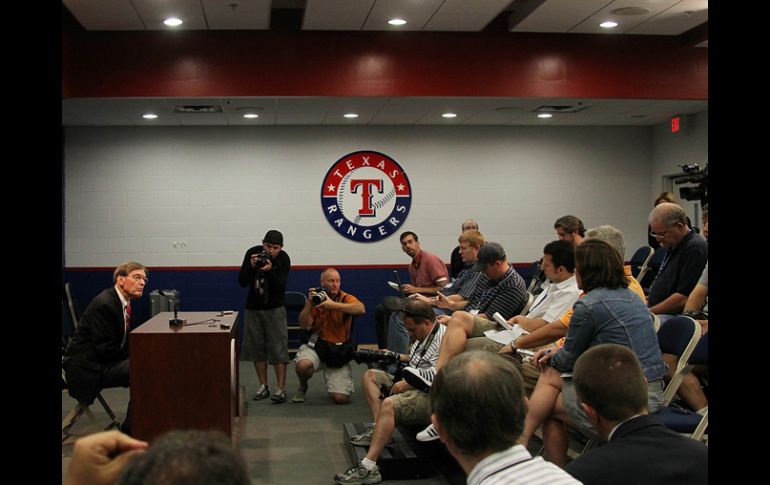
x,y
273,237
488,254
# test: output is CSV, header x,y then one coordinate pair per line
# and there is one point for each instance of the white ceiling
x,y
650,17
372,111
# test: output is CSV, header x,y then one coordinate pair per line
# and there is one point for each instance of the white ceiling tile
x,y
336,14
247,14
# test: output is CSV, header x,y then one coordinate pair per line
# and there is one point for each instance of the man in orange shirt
x,y
328,313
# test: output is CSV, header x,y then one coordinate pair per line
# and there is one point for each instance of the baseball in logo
x,y
366,196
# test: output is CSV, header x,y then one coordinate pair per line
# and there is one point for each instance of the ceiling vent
x,y
560,108
197,108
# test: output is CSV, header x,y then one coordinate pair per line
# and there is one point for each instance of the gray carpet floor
x,y
282,443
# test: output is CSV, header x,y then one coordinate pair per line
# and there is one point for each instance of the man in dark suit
x,y
640,449
97,356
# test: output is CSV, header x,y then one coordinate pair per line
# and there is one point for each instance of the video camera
x,y
696,175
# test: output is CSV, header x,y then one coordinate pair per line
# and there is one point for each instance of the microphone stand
x,y
176,321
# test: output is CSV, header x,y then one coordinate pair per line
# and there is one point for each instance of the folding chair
x,y
685,421
537,278
651,271
528,305
81,409
294,301
639,261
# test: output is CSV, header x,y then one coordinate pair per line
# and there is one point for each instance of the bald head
x,y
330,279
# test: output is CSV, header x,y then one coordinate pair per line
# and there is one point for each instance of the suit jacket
x,y
96,345
643,451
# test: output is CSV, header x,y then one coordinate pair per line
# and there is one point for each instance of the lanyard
x,y
426,344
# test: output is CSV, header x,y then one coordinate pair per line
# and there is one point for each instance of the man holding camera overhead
x,y
328,314
265,271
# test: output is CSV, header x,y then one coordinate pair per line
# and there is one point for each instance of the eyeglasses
x,y
138,278
661,235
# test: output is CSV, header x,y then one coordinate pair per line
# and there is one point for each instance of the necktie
x,y
128,317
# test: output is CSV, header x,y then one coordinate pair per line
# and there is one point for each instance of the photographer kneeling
x,y
403,404
328,314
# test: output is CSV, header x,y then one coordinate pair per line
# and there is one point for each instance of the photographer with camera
x,y
328,314
403,404
265,271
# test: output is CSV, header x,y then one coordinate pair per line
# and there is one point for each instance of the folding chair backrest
x,y
678,336
653,266
528,305
639,261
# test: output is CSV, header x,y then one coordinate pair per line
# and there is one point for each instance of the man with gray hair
x,y
612,391
97,355
684,262
478,407
456,261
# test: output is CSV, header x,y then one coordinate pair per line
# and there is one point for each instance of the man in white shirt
x,y
482,438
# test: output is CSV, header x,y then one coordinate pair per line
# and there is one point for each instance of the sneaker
x,y
420,379
428,434
363,439
299,396
262,393
279,397
358,474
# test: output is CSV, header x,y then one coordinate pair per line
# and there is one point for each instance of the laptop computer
x,y
394,303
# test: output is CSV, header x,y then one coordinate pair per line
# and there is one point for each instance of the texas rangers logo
x,y
366,196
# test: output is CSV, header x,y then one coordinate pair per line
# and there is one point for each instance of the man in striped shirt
x,y
478,407
502,290
404,405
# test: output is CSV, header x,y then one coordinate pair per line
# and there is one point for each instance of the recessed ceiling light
x,y
350,115
397,22
545,115
149,116
608,24
173,22
251,116
449,115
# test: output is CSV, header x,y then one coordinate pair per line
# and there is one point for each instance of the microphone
x,y
173,321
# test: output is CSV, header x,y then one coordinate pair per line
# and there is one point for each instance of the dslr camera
x,y
366,356
262,259
318,295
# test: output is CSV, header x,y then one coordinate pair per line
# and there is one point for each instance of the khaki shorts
x,y
411,407
481,325
338,381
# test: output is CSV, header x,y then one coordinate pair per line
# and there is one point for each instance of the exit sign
x,y
674,124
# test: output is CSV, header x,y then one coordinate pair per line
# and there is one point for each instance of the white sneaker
x,y
420,379
428,434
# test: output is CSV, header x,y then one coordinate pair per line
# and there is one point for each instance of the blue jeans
x,y
398,337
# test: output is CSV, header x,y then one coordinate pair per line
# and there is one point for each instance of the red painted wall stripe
x,y
257,63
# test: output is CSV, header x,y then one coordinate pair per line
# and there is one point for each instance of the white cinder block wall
x,y
199,196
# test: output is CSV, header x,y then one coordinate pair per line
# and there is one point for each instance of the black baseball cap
x,y
488,254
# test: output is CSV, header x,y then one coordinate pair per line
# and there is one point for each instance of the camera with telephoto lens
x,y
319,295
365,356
262,259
